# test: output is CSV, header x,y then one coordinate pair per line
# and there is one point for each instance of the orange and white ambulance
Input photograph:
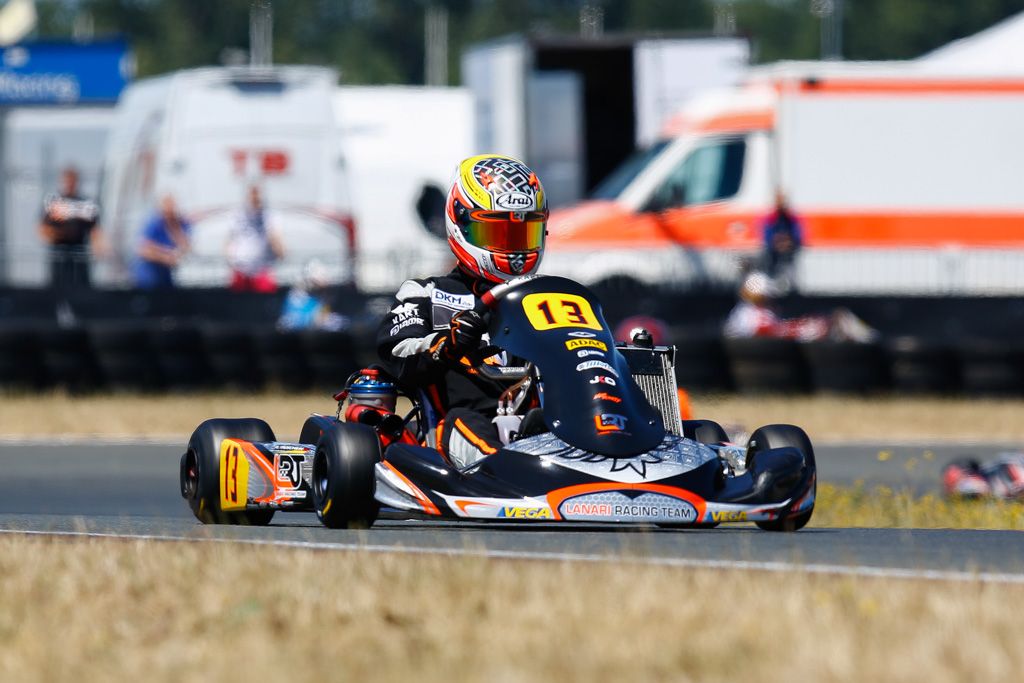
x,y
905,181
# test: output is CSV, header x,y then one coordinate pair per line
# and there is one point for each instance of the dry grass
x,y
882,507
821,416
173,612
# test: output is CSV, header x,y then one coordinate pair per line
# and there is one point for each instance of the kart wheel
x,y
343,476
200,470
782,436
704,431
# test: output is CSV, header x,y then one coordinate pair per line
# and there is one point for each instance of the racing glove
x,y
463,337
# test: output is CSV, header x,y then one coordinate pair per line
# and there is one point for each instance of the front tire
x,y
200,470
783,436
343,476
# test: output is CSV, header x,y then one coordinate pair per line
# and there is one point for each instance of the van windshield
x,y
709,173
616,181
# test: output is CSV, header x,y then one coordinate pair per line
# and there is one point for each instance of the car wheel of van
x,y
784,436
200,470
343,476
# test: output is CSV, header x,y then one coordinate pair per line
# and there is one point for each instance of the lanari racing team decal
x,y
596,364
616,506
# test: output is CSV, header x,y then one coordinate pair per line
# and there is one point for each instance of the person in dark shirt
x,y
495,216
783,237
70,225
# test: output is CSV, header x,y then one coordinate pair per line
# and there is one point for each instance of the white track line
x,y
778,567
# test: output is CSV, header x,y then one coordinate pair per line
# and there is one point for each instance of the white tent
x,y
998,50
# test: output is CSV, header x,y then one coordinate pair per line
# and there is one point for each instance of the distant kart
x,y
603,442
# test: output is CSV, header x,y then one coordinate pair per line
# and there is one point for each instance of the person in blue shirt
x,y
165,240
782,240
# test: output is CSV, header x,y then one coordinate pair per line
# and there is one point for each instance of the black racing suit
x,y
407,340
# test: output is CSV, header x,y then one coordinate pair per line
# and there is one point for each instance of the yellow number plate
x,y
234,476
548,311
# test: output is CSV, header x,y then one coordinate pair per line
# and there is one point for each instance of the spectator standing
x,y
165,240
253,246
783,238
70,225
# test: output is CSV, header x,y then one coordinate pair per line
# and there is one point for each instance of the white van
x,y
905,182
204,136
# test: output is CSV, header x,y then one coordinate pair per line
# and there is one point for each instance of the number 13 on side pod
x,y
548,311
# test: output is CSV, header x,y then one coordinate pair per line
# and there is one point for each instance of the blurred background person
x,y
253,246
166,239
755,316
70,225
307,304
783,238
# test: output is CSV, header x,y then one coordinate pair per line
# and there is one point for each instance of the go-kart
x,y
591,428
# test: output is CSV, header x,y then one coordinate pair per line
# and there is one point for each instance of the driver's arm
x,y
415,352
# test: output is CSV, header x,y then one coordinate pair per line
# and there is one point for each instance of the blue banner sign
x,y
63,73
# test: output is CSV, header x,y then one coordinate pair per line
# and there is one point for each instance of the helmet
x,y
496,215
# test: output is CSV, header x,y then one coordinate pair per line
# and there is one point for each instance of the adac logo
x,y
525,513
728,516
513,201
605,396
609,423
580,343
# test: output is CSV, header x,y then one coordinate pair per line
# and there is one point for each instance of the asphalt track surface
x,y
131,489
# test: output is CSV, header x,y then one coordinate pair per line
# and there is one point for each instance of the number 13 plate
x,y
548,311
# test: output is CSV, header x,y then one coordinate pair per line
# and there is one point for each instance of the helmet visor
x,y
500,231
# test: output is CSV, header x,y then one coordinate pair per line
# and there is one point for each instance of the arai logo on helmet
x,y
513,201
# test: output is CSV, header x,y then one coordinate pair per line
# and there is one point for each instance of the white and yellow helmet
x,y
496,215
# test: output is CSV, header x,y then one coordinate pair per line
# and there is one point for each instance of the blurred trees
x,y
381,41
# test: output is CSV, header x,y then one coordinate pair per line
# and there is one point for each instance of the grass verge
x,y
832,417
90,610
883,507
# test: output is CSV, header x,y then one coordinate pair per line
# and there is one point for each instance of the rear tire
x,y
200,470
781,436
343,476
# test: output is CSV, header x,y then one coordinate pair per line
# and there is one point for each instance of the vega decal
x,y
596,365
610,423
728,516
525,513
580,343
549,311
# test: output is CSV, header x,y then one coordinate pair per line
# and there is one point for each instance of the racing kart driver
x,y
496,217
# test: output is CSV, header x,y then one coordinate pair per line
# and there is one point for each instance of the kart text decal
x,y
548,311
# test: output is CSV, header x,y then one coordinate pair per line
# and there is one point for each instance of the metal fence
x,y
818,272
